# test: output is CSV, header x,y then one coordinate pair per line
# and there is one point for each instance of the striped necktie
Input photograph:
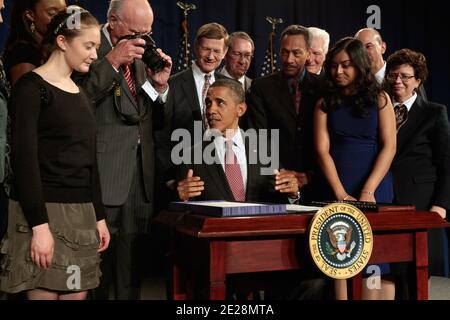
x,y
206,85
129,78
401,115
233,173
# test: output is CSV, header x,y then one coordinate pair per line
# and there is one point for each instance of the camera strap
x,y
127,118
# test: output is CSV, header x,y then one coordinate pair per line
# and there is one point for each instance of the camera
x,y
151,58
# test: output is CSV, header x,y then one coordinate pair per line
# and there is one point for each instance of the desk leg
x,y
356,287
178,289
217,275
421,239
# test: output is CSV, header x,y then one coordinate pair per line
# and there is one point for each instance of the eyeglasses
x,y
134,33
240,55
394,76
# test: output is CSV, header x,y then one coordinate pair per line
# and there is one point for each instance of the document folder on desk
x,y
228,209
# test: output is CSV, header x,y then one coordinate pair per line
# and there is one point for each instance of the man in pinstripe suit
x,y
129,99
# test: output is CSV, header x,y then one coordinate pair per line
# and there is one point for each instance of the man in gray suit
x,y
128,96
238,58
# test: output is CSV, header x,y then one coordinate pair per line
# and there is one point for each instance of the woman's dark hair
x,y
366,88
68,23
411,58
19,27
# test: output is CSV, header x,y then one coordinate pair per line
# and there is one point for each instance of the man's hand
x,y
125,52
302,178
190,187
42,246
286,182
442,212
159,80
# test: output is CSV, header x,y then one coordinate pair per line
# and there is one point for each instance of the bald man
x,y
375,47
129,96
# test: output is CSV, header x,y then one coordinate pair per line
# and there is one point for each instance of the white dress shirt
x,y
408,103
226,74
379,76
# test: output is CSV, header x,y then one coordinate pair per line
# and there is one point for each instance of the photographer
x,y
130,98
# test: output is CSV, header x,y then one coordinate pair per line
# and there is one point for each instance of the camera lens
x,y
151,57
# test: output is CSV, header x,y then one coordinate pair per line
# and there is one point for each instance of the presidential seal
x,y
340,240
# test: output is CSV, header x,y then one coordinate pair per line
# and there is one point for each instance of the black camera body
x,y
151,57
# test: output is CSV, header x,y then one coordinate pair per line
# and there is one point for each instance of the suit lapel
x,y
252,168
415,118
247,84
126,90
190,92
284,95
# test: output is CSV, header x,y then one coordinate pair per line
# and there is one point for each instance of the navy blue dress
x,y
354,148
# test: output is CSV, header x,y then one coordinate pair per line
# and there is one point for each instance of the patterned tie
x,y
401,115
233,173
296,95
206,85
129,78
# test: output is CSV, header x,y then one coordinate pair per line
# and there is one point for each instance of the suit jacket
x,y
259,188
271,106
247,84
117,141
421,167
183,107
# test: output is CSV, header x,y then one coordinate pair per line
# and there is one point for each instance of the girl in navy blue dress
x,y
355,138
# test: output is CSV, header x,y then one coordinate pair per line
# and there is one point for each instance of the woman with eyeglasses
x,y
354,129
421,168
29,20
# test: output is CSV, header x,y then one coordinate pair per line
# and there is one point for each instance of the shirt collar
x,y
408,103
199,73
380,74
237,139
106,33
299,78
225,72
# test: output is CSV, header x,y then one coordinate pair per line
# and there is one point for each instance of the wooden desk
x,y
222,246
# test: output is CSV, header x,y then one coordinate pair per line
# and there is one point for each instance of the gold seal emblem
x,y
340,240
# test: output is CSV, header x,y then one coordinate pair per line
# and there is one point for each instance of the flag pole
x,y
273,21
186,7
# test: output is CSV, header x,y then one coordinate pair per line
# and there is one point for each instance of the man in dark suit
x,y
225,104
285,101
128,96
188,88
238,58
203,181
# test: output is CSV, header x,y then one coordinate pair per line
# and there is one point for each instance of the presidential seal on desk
x,y
340,240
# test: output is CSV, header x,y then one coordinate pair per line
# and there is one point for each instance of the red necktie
x,y
233,173
297,95
129,78
206,85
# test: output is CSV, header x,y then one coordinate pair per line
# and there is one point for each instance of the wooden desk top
x,y
200,226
